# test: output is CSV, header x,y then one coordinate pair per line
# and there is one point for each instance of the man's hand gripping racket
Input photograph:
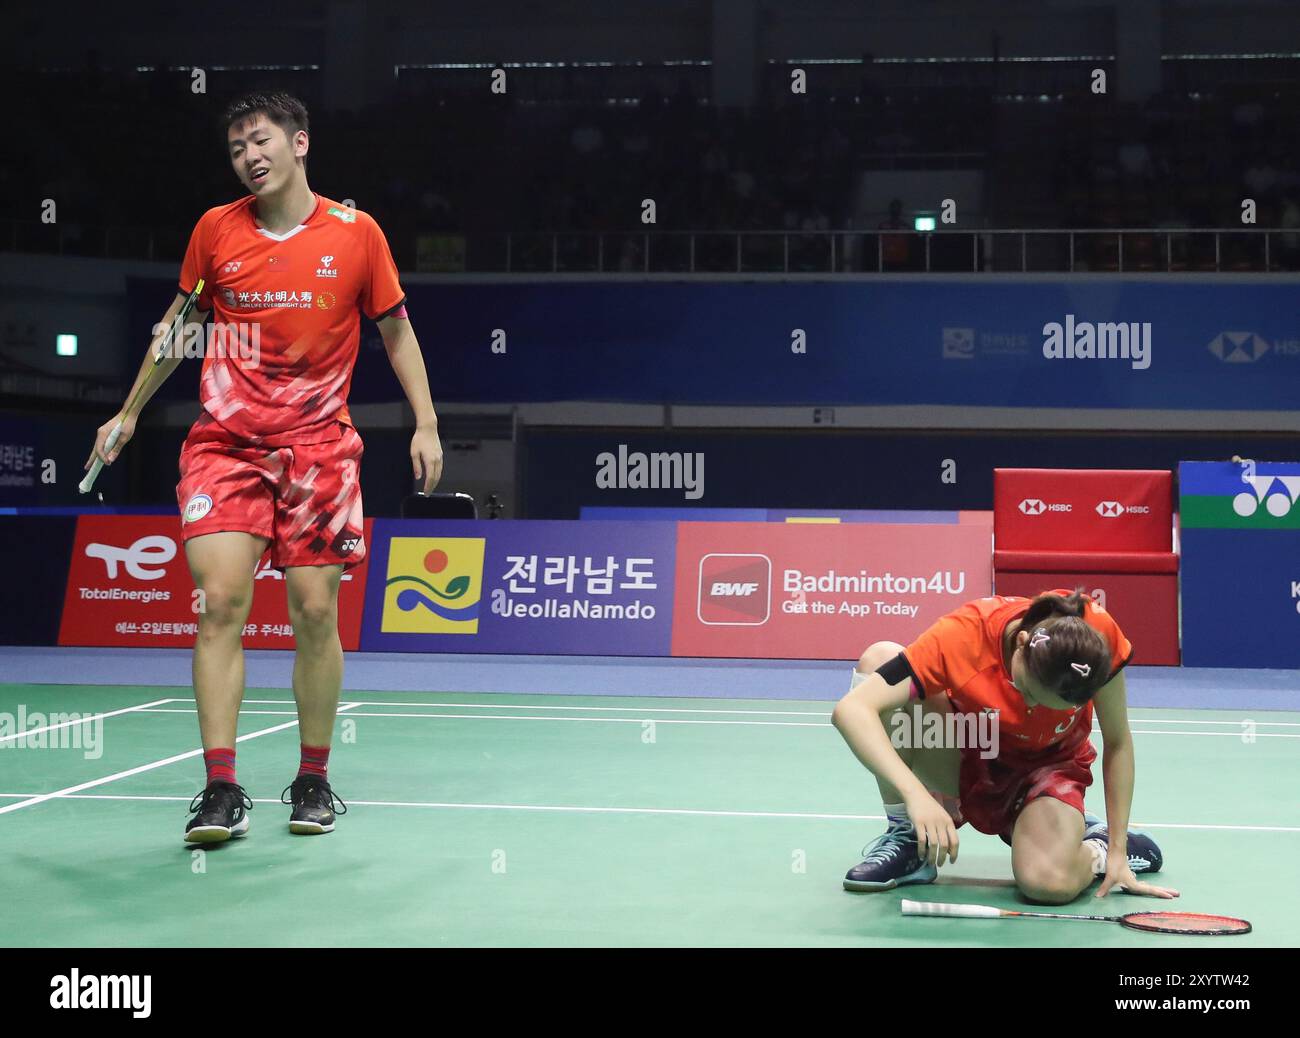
x,y
114,434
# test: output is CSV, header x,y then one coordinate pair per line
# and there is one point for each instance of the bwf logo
x,y
735,590
722,589
73,991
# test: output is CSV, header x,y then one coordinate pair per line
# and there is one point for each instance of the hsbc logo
x,y
1238,347
138,559
327,268
734,590
1033,506
1113,509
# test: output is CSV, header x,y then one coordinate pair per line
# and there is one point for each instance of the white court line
x,y
1237,734
1221,720
583,809
526,717
61,793
686,710
84,720
543,706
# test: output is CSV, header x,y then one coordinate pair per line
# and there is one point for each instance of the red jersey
x,y
961,655
287,305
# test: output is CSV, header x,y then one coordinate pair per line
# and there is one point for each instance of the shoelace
x,y
216,794
889,845
319,793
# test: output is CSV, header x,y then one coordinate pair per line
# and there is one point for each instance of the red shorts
x,y
305,499
995,791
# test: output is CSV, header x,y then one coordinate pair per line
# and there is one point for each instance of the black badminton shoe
x,y
1143,854
221,813
313,805
892,860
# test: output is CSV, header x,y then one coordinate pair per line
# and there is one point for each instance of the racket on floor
x,y
164,349
1194,923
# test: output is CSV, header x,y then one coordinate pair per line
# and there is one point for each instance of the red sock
x,y
220,764
315,760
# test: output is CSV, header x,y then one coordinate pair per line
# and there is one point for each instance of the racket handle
x,y
961,911
98,464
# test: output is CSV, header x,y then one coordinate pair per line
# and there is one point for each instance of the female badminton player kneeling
x,y
1035,667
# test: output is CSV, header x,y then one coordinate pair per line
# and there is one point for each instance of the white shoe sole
x,y
310,828
217,833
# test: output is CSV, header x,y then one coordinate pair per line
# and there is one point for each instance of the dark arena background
x,y
759,334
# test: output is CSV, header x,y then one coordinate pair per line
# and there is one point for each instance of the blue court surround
x,y
1197,688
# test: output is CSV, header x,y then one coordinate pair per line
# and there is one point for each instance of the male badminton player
x,y
1040,665
272,459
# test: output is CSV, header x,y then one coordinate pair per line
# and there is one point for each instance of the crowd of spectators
x,y
125,149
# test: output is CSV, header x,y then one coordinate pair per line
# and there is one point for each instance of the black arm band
x,y
896,670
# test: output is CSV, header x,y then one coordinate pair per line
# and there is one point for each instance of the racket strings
x,y
1185,922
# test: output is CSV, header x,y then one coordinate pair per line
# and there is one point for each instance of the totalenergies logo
x,y
434,585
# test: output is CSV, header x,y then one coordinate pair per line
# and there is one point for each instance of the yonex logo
x,y
1238,347
1278,494
232,267
349,545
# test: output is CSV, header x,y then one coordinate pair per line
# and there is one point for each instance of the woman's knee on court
x,y
1046,882
876,655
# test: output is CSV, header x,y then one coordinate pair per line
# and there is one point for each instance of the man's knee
x,y
314,613
220,606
